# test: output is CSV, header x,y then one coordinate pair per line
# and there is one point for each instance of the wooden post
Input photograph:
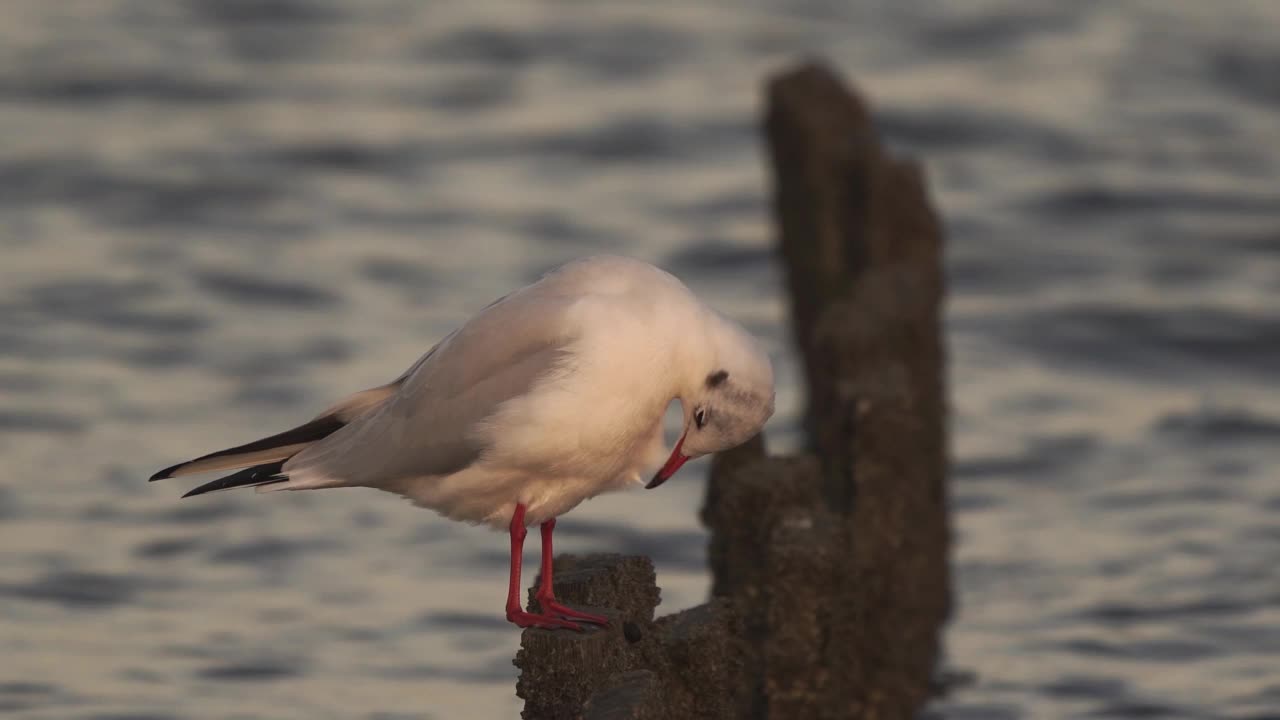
x,y
831,581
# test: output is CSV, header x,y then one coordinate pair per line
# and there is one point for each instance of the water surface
x,y
217,217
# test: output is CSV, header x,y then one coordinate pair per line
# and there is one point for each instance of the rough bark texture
x,y
831,577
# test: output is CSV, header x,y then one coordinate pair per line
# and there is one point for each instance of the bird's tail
x,y
274,449
263,460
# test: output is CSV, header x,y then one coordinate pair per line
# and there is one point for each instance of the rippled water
x,y
217,216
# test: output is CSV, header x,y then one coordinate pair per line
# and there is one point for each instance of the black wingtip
x,y
166,473
306,433
268,474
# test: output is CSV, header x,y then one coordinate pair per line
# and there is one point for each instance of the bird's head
x,y
726,401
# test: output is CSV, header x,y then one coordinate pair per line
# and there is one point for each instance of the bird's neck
x,y
694,358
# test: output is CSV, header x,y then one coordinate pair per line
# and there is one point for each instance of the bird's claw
x,y
551,607
523,619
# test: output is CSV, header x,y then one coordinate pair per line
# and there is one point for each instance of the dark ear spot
x,y
717,377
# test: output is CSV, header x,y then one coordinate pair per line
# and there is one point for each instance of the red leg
x,y
546,594
515,613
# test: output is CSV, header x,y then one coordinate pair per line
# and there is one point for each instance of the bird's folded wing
x,y
433,424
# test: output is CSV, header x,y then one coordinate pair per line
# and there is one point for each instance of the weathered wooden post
x,y
847,610
831,576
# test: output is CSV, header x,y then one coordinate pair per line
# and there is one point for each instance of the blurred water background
x,y
219,216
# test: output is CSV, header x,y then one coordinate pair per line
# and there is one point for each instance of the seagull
x,y
550,395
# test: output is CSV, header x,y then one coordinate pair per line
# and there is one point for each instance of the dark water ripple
x,y
736,204
1045,459
252,671
17,696
76,590
400,274
39,421
274,363
8,504
197,513
1129,500
269,395
131,198
23,383
157,86
110,306
267,552
499,670
1086,687
1029,274
715,258
987,32
341,156
1138,709
1211,427
167,548
617,52
944,129
298,14
1142,651
1250,72
242,289
1122,614
1092,202
640,138
484,621
471,96
1135,342
129,716
618,138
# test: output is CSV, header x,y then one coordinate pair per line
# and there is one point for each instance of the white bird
x,y
551,395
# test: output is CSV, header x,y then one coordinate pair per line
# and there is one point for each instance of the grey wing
x,y
429,427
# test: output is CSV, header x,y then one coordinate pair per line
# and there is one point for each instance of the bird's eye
x,y
700,417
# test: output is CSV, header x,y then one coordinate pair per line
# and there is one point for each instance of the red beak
x,y
670,467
